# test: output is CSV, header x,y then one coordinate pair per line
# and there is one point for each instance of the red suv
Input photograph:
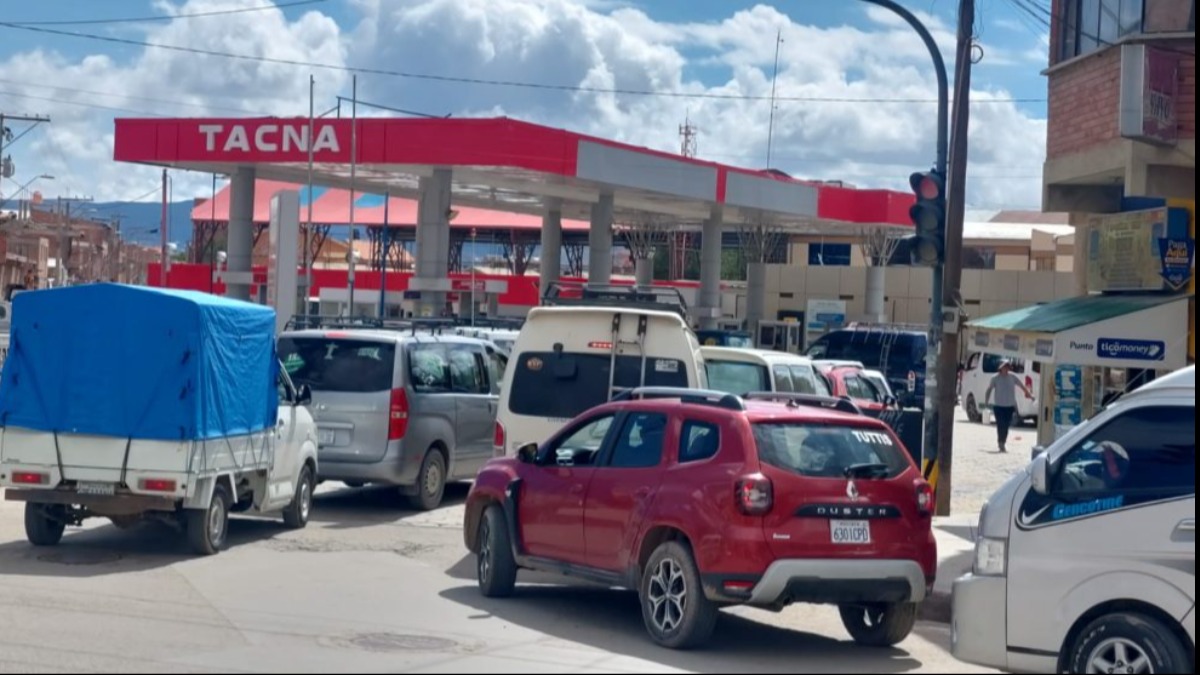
x,y
702,500
849,382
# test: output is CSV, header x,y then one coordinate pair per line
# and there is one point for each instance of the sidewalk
x,y
956,555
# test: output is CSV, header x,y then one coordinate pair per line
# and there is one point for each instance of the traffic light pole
x,y
934,396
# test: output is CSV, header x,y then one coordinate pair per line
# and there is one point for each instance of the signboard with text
x,y
1140,251
1149,94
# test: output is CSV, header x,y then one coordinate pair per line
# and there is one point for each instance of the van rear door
x,y
352,380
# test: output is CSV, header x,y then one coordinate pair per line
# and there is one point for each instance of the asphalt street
x,y
371,586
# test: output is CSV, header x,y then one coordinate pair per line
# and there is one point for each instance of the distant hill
x,y
140,220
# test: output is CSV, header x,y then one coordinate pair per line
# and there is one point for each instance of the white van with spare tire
x,y
1086,561
570,359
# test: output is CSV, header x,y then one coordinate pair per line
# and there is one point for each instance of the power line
x,y
147,99
169,17
478,81
81,104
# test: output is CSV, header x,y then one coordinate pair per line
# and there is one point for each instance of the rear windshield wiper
x,y
868,471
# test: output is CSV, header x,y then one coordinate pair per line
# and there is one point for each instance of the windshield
x,y
346,366
821,451
733,377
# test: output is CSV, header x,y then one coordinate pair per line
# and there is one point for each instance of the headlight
x,y
991,556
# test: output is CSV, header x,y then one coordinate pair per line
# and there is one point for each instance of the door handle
x,y
1187,526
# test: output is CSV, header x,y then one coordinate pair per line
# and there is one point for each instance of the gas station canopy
x,y
503,165
1116,331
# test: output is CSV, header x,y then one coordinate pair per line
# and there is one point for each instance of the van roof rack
x,y
888,327
577,294
810,400
719,399
317,322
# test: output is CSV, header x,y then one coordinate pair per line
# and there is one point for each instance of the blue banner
x,y
1177,260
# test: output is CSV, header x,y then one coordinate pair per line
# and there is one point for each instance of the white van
x,y
570,359
1086,561
743,371
976,379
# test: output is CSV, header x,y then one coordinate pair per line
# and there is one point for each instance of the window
x,y
861,389
1089,25
805,381
580,447
821,451
562,386
829,255
284,390
497,365
343,366
467,372
428,369
699,441
733,377
640,444
783,380
1147,452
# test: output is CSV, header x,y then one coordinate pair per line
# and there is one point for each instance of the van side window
x,y
783,380
804,380
428,369
1148,452
699,441
467,374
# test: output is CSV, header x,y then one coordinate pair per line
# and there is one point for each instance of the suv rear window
x,y
822,451
344,366
561,386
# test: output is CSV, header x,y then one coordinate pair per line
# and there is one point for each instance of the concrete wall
x,y
985,292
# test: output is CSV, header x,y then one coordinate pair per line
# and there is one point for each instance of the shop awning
x,y
1117,331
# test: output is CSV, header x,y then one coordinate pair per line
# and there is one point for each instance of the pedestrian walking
x,y
1005,385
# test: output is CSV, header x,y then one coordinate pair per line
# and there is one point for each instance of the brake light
x,y
924,498
157,485
600,345
398,416
755,495
30,478
499,437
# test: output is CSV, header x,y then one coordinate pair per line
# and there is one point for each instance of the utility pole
x,y
956,204
6,138
774,82
64,236
164,228
687,136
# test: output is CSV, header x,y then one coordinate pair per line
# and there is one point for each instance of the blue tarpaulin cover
x,y
139,363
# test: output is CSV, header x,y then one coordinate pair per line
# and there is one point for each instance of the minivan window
x,y
783,380
336,365
1145,451
562,386
428,369
468,374
805,381
737,378
821,451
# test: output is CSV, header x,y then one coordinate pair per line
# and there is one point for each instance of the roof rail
x,y
317,322
576,294
719,399
811,400
892,327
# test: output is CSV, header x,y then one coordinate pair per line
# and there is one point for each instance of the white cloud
x,y
573,44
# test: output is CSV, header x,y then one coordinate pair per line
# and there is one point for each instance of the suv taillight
x,y
498,439
924,498
755,495
398,416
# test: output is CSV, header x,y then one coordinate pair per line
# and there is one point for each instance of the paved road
x,y
371,587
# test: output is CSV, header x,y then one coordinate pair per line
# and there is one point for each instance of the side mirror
x,y
528,454
304,395
1040,471
890,401
1039,450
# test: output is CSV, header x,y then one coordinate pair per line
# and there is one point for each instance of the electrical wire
x,y
130,97
475,80
169,17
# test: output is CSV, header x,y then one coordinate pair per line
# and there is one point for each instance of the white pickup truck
x,y
129,404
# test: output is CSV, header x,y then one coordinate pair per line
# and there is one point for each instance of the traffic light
x,y
927,245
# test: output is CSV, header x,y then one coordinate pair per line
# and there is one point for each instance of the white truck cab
x,y
1086,561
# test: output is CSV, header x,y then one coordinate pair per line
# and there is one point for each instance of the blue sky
x,y
697,45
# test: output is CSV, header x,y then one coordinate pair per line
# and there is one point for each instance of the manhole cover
x,y
68,557
390,642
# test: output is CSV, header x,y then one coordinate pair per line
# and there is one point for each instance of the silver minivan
x,y
1086,561
411,410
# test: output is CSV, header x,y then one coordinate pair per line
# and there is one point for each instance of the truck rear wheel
x,y
44,524
208,529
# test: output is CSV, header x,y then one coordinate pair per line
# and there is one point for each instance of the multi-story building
x,y
1122,133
